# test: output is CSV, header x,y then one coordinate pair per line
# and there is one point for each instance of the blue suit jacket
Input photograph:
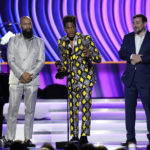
x,y
142,68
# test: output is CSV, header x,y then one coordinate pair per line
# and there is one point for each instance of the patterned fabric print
x,y
81,75
74,111
76,63
83,96
86,111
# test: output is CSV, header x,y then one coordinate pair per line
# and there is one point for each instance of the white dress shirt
x,y
139,41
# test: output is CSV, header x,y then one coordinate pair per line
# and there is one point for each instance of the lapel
x,y
22,42
145,41
79,39
133,42
67,41
32,45
23,47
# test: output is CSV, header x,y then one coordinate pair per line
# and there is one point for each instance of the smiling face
x,y
70,29
139,25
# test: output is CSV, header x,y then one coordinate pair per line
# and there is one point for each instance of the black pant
x,y
131,94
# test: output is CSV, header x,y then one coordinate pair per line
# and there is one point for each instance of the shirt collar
x,y
142,34
75,37
28,39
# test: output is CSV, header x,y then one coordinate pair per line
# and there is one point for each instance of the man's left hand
x,y
26,77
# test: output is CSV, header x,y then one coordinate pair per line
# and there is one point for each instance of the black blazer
x,y
143,68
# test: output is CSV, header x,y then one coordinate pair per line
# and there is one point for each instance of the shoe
x,y
127,143
131,146
83,140
28,143
74,139
1,142
8,143
148,146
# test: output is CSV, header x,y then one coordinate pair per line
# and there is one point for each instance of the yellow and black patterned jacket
x,y
80,69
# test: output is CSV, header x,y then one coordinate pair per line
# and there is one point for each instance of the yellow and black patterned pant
x,y
83,96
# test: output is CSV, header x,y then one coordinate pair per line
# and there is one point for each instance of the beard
x,y
71,38
27,33
138,31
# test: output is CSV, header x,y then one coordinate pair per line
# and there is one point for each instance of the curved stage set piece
x,y
107,21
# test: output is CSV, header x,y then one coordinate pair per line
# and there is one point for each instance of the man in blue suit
x,y
135,49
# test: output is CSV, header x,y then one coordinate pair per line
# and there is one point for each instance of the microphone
x,y
9,23
58,63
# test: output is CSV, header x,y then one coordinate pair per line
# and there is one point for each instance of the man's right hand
x,y
136,58
26,77
22,81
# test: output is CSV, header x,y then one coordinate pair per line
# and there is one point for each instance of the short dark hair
x,y
71,146
87,147
69,18
17,145
101,147
48,146
144,19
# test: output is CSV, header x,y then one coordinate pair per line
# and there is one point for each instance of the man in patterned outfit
x,y
77,53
